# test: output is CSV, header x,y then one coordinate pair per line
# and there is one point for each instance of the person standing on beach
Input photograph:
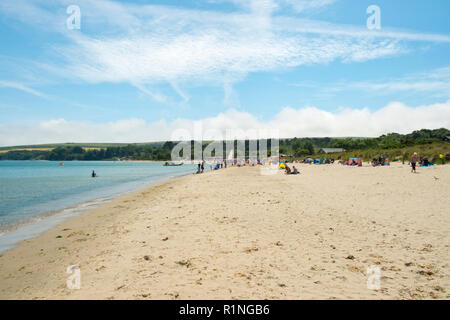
x,y
414,159
203,166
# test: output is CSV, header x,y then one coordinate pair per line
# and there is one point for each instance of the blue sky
x,y
139,70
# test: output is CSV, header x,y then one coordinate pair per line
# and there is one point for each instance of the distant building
x,y
331,150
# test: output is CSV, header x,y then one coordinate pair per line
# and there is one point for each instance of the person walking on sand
x,y
414,159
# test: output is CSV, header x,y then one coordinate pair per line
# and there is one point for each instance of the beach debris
x,y
356,269
252,249
409,264
58,237
282,285
439,288
147,258
394,268
185,263
425,273
165,239
279,244
100,268
350,257
175,295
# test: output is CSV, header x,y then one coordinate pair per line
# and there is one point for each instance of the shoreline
x,y
234,234
33,227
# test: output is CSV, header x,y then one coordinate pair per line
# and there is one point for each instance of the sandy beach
x,y
237,234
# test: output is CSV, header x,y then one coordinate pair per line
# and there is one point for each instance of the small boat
x,y
171,164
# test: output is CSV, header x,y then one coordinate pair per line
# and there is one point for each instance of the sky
x,y
141,71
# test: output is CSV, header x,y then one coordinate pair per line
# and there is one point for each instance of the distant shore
x,y
237,234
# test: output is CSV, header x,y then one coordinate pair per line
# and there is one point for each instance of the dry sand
x,y
236,234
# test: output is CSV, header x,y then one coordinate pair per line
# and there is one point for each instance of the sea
x,y
35,196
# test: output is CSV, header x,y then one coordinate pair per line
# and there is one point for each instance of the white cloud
x,y
290,122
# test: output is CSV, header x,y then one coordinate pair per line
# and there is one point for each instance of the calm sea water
x,y
30,190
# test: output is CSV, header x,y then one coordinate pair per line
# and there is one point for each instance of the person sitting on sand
x,y
288,170
414,159
374,162
295,171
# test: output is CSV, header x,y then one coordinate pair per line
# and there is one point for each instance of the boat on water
x,y
171,164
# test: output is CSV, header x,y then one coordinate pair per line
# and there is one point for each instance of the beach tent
x,y
357,160
387,162
282,165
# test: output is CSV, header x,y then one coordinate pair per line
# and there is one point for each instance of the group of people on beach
x,y
381,161
293,171
201,167
422,161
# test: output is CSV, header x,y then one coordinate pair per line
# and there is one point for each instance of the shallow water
x,y
31,190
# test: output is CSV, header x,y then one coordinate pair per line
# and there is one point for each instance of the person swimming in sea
x,y
94,174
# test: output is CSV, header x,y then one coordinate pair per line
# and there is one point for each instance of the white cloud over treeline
x,y
290,122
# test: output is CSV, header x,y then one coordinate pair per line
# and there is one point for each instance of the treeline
x,y
69,153
296,147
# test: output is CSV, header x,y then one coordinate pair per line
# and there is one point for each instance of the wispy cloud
x,y
21,87
437,81
303,5
149,44
434,82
